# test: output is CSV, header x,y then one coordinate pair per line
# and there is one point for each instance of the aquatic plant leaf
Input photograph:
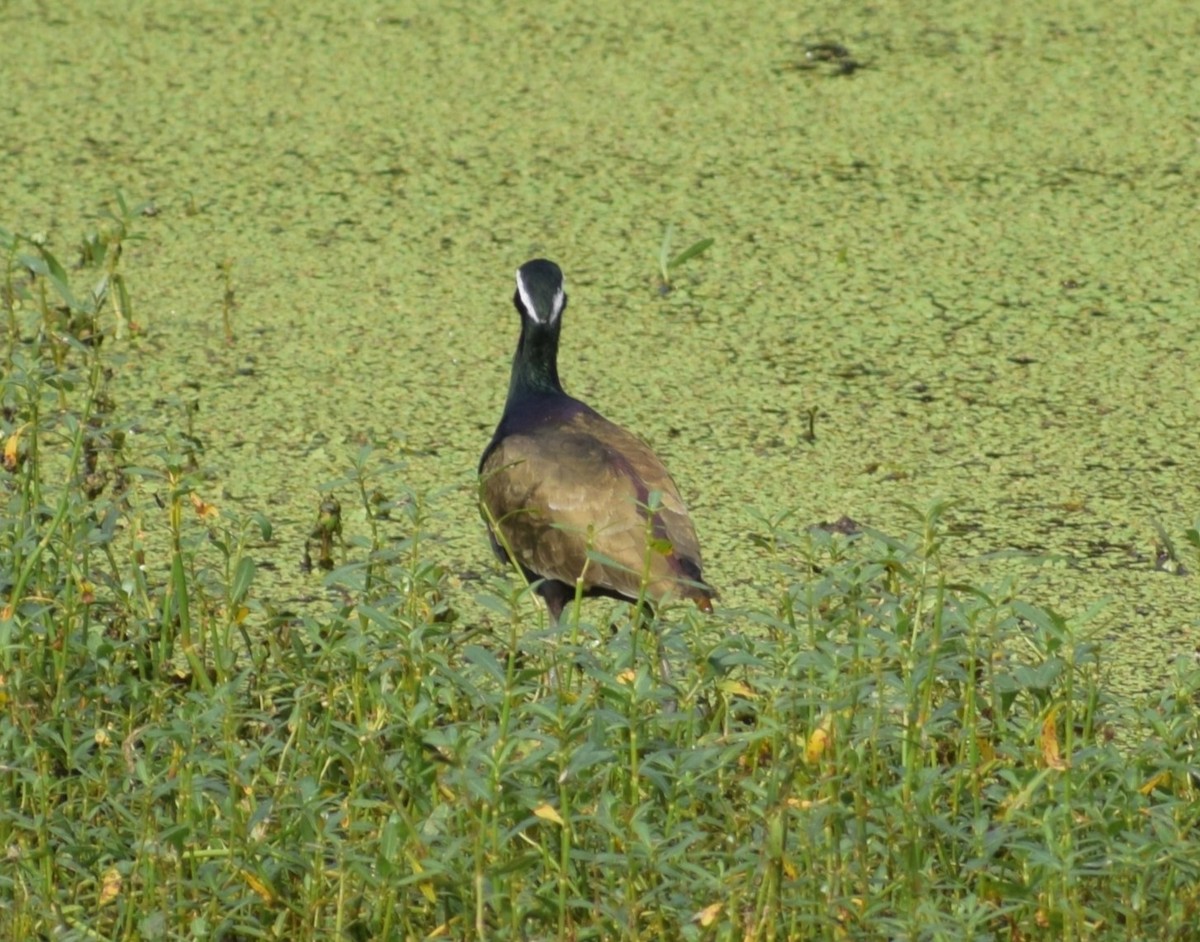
x,y
691,251
242,577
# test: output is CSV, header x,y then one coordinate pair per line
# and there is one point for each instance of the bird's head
x,y
540,296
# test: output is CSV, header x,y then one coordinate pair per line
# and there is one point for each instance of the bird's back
x,y
563,480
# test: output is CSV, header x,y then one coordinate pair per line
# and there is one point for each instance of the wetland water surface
x,y
972,252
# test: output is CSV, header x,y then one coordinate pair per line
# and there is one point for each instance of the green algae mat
x,y
953,256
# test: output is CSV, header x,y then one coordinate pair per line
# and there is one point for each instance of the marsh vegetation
x,y
932,270
880,751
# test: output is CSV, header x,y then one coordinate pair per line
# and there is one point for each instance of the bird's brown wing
x,y
558,492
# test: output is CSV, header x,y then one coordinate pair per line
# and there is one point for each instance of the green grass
x,y
668,263
875,752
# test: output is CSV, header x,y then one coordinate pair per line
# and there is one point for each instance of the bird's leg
x,y
556,595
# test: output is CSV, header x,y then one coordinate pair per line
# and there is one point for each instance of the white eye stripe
x,y
556,303
526,301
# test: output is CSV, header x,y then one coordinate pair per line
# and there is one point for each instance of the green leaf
x,y
263,524
495,604
100,293
664,255
56,270
57,276
482,657
243,576
692,251
34,265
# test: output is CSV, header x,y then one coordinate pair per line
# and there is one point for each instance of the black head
x,y
540,296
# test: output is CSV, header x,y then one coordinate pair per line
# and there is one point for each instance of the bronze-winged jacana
x,y
558,479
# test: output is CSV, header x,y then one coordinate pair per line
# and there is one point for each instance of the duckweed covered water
x,y
965,237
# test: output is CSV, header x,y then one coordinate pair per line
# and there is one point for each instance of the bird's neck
x,y
535,365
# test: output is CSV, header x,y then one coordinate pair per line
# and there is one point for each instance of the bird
x,y
558,480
